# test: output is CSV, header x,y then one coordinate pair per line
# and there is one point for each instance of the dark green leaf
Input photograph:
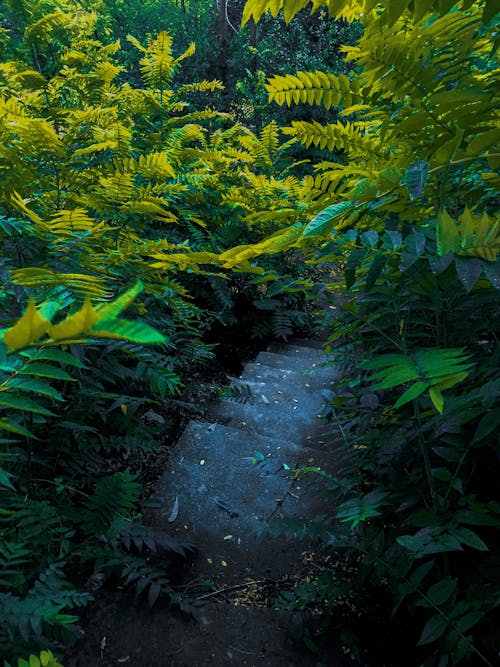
x,y
37,386
5,479
54,354
415,178
475,518
392,240
442,544
22,403
469,620
433,629
376,268
414,247
370,238
411,393
441,473
492,271
153,593
468,271
44,370
469,537
418,575
442,590
364,190
14,427
411,542
487,425
440,264
354,260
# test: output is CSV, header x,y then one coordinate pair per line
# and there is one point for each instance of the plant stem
x,y
425,453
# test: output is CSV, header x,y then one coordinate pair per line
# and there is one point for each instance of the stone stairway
x,y
230,479
227,482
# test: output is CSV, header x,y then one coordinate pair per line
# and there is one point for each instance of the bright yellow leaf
x,y
74,325
28,329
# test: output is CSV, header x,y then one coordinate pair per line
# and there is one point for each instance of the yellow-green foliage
x,y
44,659
405,203
359,9
424,88
35,327
99,167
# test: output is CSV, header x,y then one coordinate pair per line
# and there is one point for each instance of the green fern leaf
x,y
54,354
14,427
40,369
137,332
22,403
111,310
5,481
113,497
321,88
32,385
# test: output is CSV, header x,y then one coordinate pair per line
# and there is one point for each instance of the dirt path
x,y
227,482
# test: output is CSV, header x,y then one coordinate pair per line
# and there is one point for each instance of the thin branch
x,y
234,588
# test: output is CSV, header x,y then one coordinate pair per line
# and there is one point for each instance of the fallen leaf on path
x,y
175,511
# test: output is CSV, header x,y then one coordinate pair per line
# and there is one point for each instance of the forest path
x,y
233,476
227,481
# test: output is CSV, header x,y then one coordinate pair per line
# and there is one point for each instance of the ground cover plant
x,y
410,210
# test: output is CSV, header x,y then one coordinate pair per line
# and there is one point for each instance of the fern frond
x,y
321,88
337,136
277,242
154,166
40,31
351,10
67,222
194,116
84,286
115,189
177,140
200,87
157,66
477,235
238,392
113,497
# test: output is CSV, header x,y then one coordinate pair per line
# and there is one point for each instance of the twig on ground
x,y
236,587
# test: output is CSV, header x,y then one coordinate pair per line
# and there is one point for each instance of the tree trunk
x,y
254,43
221,6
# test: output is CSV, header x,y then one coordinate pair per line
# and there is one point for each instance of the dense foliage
x,y
410,212
120,181
115,191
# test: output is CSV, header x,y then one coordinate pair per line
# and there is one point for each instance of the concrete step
x,y
289,417
208,474
298,346
295,360
317,342
229,485
286,380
